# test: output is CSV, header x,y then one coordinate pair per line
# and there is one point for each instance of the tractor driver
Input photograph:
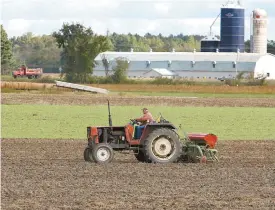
x,y
146,118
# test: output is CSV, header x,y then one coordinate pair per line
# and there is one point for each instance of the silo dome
x,y
259,13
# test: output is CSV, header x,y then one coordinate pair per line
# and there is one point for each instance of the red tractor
x,y
26,72
158,142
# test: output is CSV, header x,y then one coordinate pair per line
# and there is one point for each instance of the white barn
x,y
195,65
159,73
265,67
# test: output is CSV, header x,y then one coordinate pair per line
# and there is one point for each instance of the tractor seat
x,y
138,131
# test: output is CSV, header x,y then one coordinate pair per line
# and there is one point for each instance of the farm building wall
x,y
186,65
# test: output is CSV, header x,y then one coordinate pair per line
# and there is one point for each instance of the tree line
x,y
74,48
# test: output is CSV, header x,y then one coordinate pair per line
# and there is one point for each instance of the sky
x,y
125,16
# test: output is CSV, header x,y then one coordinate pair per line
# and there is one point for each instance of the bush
x,y
177,81
232,82
99,80
257,82
248,81
168,81
162,81
46,79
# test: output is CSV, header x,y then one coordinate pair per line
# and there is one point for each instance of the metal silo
x,y
259,31
232,27
209,44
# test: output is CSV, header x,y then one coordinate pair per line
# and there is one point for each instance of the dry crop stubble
x,y
188,88
223,89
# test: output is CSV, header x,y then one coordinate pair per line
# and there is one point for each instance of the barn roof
x,y
162,72
181,56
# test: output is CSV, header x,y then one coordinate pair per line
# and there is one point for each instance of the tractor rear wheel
x,y
162,145
103,153
88,154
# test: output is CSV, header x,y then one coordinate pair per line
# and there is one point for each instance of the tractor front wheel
x,y
88,154
103,153
162,145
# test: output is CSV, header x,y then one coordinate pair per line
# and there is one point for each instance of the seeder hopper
x,y
158,142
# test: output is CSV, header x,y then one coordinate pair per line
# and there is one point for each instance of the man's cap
x,y
144,109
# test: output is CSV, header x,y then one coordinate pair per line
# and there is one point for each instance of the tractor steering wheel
x,y
133,121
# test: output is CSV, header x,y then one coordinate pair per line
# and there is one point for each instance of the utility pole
x,y
107,33
238,51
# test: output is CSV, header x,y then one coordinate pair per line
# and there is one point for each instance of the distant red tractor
x,y
23,71
158,142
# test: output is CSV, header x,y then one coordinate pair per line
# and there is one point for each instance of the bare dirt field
x,y
93,99
51,174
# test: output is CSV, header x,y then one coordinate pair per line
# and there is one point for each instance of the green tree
x,y
121,42
80,47
271,46
247,46
36,51
106,64
191,44
6,51
156,44
120,70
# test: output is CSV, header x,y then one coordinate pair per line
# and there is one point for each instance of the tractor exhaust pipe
x,y
110,117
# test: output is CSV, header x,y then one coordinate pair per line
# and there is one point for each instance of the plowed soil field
x,y
51,174
90,99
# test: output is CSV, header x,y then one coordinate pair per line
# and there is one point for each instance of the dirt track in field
x,y
88,99
51,174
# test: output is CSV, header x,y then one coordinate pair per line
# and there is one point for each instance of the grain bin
x,y
210,44
232,27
